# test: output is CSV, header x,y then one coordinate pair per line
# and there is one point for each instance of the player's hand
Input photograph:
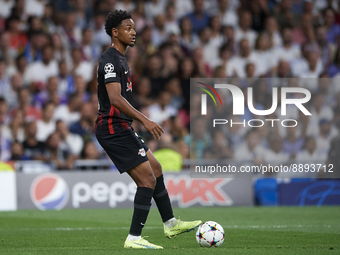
x,y
155,129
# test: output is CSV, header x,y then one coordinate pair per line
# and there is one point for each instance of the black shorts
x,y
126,149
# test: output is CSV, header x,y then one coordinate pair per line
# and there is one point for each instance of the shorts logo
x,y
142,152
108,68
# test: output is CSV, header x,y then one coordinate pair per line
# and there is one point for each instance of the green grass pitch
x,y
248,230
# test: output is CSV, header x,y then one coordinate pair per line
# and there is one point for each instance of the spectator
x,y
81,67
55,155
6,52
46,125
159,33
153,71
34,7
334,68
126,5
35,25
300,66
4,118
39,71
80,88
288,51
199,18
284,14
90,151
271,28
309,154
21,66
29,111
229,37
227,16
5,85
69,113
17,152
244,30
219,149
5,8
85,126
61,53
99,35
188,40
186,70
142,94
293,143
237,64
262,52
65,80
91,52
174,87
14,131
154,8
50,94
324,138
162,110
276,155
18,40
171,22
69,32
312,72
326,49
259,10
319,111
72,143
333,29
203,68
32,148
198,139
250,149
304,33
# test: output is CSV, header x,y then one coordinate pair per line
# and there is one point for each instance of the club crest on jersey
x,y
129,85
142,152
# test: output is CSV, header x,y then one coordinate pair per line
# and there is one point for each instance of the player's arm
x,y
116,99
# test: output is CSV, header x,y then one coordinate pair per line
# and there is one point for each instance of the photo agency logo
x,y
238,104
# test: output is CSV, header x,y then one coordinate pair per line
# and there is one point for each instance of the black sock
x,y
142,205
162,200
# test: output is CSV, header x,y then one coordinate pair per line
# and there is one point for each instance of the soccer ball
x,y
210,234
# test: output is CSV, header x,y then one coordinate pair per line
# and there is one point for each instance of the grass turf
x,y
251,230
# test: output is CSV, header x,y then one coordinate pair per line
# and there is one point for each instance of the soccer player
x,y
125,148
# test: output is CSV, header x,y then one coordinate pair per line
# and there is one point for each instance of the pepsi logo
x,y
49,192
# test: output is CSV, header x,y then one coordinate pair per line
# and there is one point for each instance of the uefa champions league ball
x,y
210,234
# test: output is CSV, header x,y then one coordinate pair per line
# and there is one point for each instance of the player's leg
x,y
160,193
145,180
172,226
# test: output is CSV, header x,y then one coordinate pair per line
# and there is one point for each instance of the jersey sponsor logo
x,y
125,72
109,75
142,152
108,68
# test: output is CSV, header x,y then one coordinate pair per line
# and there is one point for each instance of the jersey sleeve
x,y
111,70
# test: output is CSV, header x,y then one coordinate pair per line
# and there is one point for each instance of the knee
x,y
149,181
157,169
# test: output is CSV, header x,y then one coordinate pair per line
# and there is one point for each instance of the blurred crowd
x,y
49,52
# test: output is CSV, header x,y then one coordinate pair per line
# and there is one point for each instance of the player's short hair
x,y
114,19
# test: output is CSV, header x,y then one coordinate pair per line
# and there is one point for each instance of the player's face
x,y
127,33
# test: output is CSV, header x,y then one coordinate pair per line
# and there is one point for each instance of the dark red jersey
x,y
112,67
